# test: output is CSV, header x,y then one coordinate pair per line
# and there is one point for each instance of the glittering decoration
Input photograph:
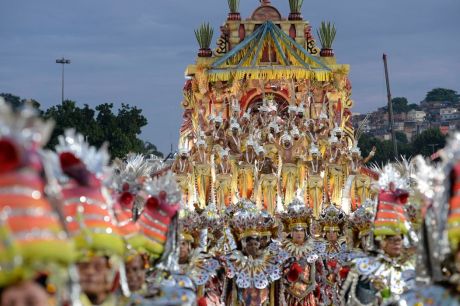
x,y
24,126
389,175
296,215
96,161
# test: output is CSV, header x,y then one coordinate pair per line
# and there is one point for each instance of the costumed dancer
x,y
333,252
128,179
382,278
202,173
224,180
438,264
251,269
195,261
166,285
267,182
315,184
88,212
288,178
298,286
361,221
246,171
336,170
361,186
35,251
182,167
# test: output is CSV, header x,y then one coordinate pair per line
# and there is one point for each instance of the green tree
x,y
69,115
121,130
401,105
17,102
428,142
384,151
442,94
401,137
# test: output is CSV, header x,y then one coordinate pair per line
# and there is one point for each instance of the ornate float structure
x,y
267,117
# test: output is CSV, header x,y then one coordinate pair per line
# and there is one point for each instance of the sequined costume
x,y
298,286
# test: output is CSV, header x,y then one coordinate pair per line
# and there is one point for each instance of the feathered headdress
x,y
297,215
332,218
88,206
393,195
32,235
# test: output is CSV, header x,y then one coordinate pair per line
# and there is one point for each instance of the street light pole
x,y
62,61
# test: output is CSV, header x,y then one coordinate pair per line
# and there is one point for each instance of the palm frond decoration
x,y
295,5
361,128
234,6
326,34
204,35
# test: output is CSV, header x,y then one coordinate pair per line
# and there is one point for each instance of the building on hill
x,y
449,113
415,115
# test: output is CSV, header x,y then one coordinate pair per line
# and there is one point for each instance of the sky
x,y
136,51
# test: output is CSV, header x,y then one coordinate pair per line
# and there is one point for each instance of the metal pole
x,y
62,94
390,108
62,61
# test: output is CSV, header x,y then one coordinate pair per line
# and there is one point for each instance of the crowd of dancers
x,y
79,229
270,154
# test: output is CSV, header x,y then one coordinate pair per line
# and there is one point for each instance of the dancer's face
x,y
392,245
298,235
94,275
135,273
252,246
184,251
331,236
27,293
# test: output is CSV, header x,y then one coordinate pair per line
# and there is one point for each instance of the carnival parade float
x,y
268,200
267,117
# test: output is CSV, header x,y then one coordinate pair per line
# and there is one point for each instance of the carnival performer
x,y
322,132
36,254
195,261
252,270
246,171
438,252
233,141
217,135
213,275
289,178
315,184
159,224
310,131
89,217
269,136
182,167
298,286
234,146
332,250
128,179
361,240
224,180
361,188
384,277
269,232
267,183
336,171
202,173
